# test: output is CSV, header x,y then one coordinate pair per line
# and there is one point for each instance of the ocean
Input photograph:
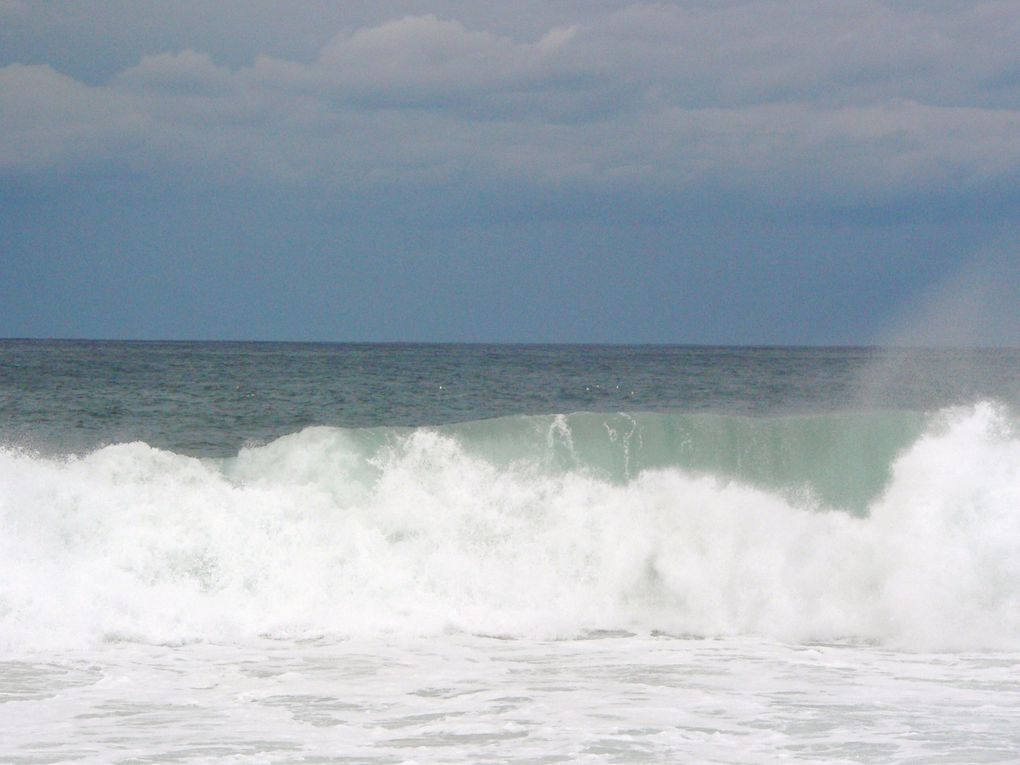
x,y
359,553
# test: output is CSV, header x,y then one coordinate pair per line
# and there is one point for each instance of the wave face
x,y
887,527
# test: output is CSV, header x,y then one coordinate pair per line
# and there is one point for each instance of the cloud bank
x,y
776,104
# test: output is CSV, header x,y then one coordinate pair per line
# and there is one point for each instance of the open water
x,y
276,553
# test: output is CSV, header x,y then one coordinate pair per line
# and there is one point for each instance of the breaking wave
x,y
892,527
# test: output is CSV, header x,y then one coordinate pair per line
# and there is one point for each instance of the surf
x,y
893,527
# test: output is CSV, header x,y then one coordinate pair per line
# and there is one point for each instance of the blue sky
x,y
687,172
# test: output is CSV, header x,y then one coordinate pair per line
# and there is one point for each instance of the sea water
x,y
279,553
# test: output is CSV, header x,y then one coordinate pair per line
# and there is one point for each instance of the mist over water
x,y
959,338
974,307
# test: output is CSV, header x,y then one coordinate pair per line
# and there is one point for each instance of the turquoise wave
x,y
839,461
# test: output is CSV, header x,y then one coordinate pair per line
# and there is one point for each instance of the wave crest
x,y
527,526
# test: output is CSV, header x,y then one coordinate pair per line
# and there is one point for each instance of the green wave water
x,y
837,461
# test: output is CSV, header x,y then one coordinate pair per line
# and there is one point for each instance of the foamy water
x,y
340,534
459,698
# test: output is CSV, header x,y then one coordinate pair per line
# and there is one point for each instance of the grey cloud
x,y
789,103
51,121
185,73
426,52
855,52
13,8
431,63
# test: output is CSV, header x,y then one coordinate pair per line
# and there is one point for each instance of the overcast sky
x,y
687,172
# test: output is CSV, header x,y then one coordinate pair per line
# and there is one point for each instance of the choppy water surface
x,y
273,553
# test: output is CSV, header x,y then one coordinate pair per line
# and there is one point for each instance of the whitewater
x,y
831,584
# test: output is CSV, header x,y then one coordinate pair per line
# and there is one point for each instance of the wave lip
x,y
528,526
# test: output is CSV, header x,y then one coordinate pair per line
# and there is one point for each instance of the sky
x,y
779,172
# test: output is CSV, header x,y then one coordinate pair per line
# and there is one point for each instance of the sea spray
x,y
540,527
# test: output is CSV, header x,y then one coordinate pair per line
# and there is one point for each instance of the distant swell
x,y
889,527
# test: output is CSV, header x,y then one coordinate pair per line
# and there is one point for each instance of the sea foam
x,y
543,527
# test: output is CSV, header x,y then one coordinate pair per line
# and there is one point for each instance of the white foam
x,y
325,533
